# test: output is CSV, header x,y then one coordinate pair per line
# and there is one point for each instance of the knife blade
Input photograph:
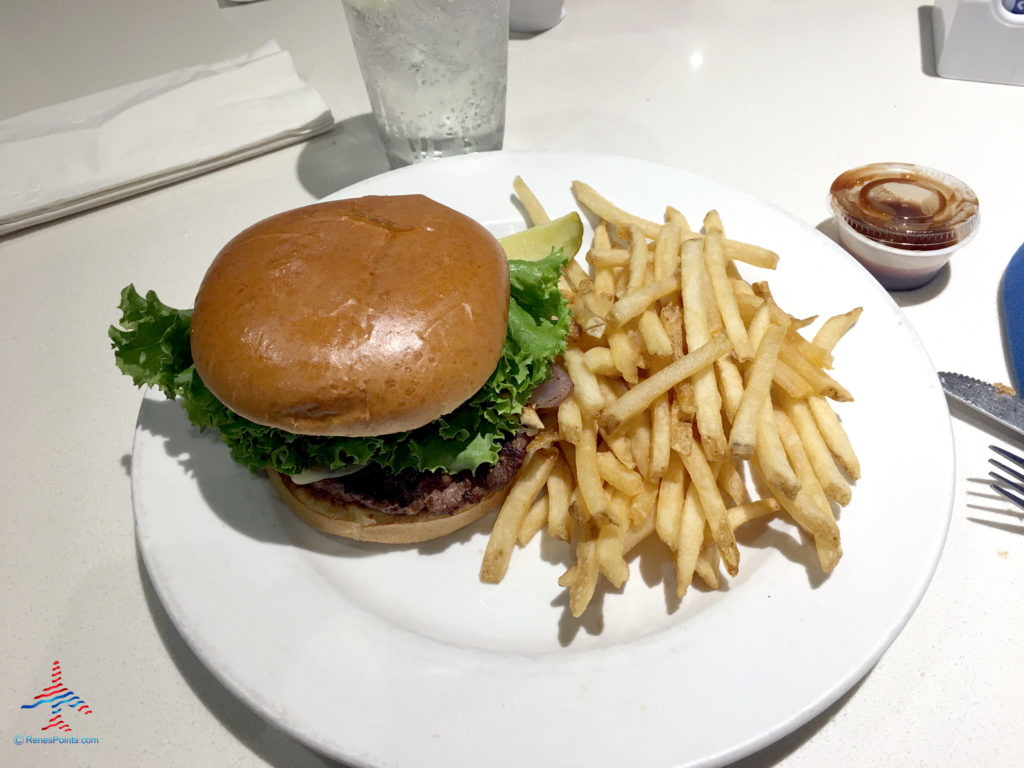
x,y
1005,408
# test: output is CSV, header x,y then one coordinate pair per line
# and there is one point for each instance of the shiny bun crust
x,y
355,317
355,522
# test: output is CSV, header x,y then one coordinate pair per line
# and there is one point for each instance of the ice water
x,y
435,71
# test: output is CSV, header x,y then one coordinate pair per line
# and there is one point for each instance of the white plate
x,y
400,657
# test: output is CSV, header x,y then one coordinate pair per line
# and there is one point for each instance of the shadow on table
x,y
902,298
778,751
926,31
1001,513
261,738
350,152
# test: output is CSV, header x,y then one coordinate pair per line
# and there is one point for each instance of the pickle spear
x,y
537,242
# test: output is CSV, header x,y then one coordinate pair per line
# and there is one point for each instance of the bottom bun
x,y
353,521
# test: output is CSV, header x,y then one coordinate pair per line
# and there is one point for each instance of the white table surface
x,y
773,97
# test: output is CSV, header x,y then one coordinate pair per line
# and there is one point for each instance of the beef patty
x,y
411,492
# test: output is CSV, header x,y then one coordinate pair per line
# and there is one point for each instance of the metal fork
x,y
1004,484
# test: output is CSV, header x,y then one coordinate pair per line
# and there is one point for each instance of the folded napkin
x,y
109,145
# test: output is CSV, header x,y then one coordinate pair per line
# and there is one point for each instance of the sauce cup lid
x,y
905,206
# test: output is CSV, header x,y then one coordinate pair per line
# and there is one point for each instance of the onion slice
x,y
553,391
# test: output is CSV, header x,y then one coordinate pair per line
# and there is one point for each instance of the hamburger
x,y
372,357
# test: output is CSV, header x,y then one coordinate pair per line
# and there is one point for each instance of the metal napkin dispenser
x,y
979,40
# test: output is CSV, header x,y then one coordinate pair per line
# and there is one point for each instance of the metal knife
x,y
1005,408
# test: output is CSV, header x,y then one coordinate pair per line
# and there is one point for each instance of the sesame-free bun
x,y
353,521
353,317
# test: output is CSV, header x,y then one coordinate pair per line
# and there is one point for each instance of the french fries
x,y
685,376
534,210
513,513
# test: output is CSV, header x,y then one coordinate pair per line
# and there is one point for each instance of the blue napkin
x,y
1013,315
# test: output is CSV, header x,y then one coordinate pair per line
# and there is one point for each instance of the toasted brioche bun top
x,y
354,317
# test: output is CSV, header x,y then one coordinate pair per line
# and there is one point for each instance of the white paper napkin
x,y
109,145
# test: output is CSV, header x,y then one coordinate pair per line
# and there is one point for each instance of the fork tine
x,y
1007,481
1007,455
1001,484
1008,470
1011,496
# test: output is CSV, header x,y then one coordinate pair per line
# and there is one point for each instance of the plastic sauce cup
x,y
903,222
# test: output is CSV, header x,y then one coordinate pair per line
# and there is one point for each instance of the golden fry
x,y
668,513
707,566
621,442
666,251
661,427
714,261
604,290
576,276
616,474
585,572
608,257
731,483
510,518
695,321
833,329
536,518
812,353
759,323
770,454
603,208
652,331
633,304
643,505
681,436
742,514
559,490
835,436
586,390
825,469
821,383
588,477
570,420
743,436
639,257
690,541
639,431
625,357
791,382
647,391
810,507
699,471
611,561
730,385
675,216
534,210
750,254
636,535
599,361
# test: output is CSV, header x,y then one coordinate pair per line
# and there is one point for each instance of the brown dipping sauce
x,y
905,206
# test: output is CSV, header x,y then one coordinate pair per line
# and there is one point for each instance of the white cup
x,y
897,269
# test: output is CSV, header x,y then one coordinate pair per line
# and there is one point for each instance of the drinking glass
x,y
435,72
